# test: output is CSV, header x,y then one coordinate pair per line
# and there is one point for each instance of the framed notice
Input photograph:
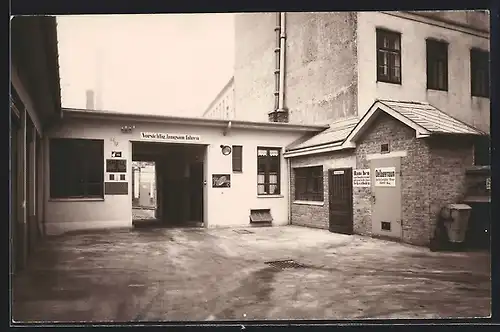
x,y
221,180
116,165
385,177
361,178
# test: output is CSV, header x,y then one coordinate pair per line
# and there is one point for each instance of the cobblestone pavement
x,y
221,274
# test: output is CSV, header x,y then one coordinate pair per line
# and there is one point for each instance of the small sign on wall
x,y
116,154
221,180
488,183
361,178
338,172
385,177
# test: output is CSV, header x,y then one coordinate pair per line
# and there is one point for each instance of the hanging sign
x,y
361,178
385,177
170,137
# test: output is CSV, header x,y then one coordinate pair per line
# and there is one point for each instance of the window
x,y
388,56
268,171
480,75
482,151
309,184
437,65
76,168
384,148
237,158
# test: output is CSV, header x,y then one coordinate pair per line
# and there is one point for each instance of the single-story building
x,y
35,103
387,175
209,171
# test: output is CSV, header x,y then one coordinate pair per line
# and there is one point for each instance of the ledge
x,y
76,200
270,196
309,203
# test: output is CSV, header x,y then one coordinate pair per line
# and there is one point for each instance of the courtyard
x,y
224,274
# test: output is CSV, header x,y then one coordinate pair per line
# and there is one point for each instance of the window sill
x,y
478,96
270,196
389,82
309,203
437,90
76,199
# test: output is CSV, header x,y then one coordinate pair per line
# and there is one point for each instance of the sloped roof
x,y
337,132
431,118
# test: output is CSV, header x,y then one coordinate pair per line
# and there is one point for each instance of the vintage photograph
x,y
239,167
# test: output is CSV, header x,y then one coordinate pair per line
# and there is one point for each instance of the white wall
x,y
457,101
223,206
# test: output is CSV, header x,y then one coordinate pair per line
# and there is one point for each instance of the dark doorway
x,y
179,183
340,200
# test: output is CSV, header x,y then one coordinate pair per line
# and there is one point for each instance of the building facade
x,y
411,80
222,107
334,68
217,173
34,107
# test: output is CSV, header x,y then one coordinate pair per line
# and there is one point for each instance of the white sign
x,y
488,184
385,177
361,178
171,137
338,172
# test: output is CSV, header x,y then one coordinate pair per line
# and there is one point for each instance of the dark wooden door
x,y
340,200
196,191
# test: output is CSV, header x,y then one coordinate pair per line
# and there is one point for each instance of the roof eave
x,y
106,115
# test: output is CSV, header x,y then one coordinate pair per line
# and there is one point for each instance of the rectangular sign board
x,y
361,178
221,180
170,137
385,177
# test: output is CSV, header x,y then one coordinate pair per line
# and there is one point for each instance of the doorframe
x,y
351,197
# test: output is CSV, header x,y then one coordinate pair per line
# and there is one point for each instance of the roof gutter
x,y
205,122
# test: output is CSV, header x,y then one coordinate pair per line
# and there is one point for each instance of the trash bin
x,y
456,218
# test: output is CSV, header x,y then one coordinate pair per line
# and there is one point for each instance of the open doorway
x,y
168,184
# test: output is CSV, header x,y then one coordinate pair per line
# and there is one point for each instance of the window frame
x,y
477,56
380,32
235,158
307,174
267,172
87,165
436,51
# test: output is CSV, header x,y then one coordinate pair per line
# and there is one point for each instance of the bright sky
x,y
157,64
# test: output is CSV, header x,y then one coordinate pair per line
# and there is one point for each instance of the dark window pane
x,y
237,158
76,168
388,56
268,170
309,183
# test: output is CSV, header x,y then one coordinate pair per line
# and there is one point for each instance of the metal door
x,y
340,200
386,197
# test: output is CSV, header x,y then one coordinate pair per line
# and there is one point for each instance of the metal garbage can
x,y
456,218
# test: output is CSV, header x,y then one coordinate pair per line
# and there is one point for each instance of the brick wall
x,y
314,215
433,174
414,167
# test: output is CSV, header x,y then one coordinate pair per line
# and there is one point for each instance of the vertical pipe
x,y
282,46
21,243
277,57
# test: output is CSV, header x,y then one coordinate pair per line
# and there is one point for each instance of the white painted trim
x,y
393,154
436,22
270,196
309,203
25,98
64,227
322,149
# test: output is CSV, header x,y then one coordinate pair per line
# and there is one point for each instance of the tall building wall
x,y
321,73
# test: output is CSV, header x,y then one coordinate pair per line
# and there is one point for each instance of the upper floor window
x,y
388,56
309,184
268,171
76,168
480,74
437,65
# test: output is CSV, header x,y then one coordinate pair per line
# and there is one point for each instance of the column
x,y
21,235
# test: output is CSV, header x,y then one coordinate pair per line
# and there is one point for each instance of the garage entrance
x,y
340,200
168,184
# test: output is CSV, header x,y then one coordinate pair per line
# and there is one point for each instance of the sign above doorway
x,y
170,137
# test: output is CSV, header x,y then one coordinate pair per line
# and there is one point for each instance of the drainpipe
x,y
279,114
289,165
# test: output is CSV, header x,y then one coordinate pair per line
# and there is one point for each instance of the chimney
x,y
90,99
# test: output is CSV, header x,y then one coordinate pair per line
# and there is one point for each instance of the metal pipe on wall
x,y
282,46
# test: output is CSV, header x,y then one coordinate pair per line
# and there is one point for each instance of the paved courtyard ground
x,y
219,274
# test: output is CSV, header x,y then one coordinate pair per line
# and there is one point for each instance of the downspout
x,y
279,114
289,165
